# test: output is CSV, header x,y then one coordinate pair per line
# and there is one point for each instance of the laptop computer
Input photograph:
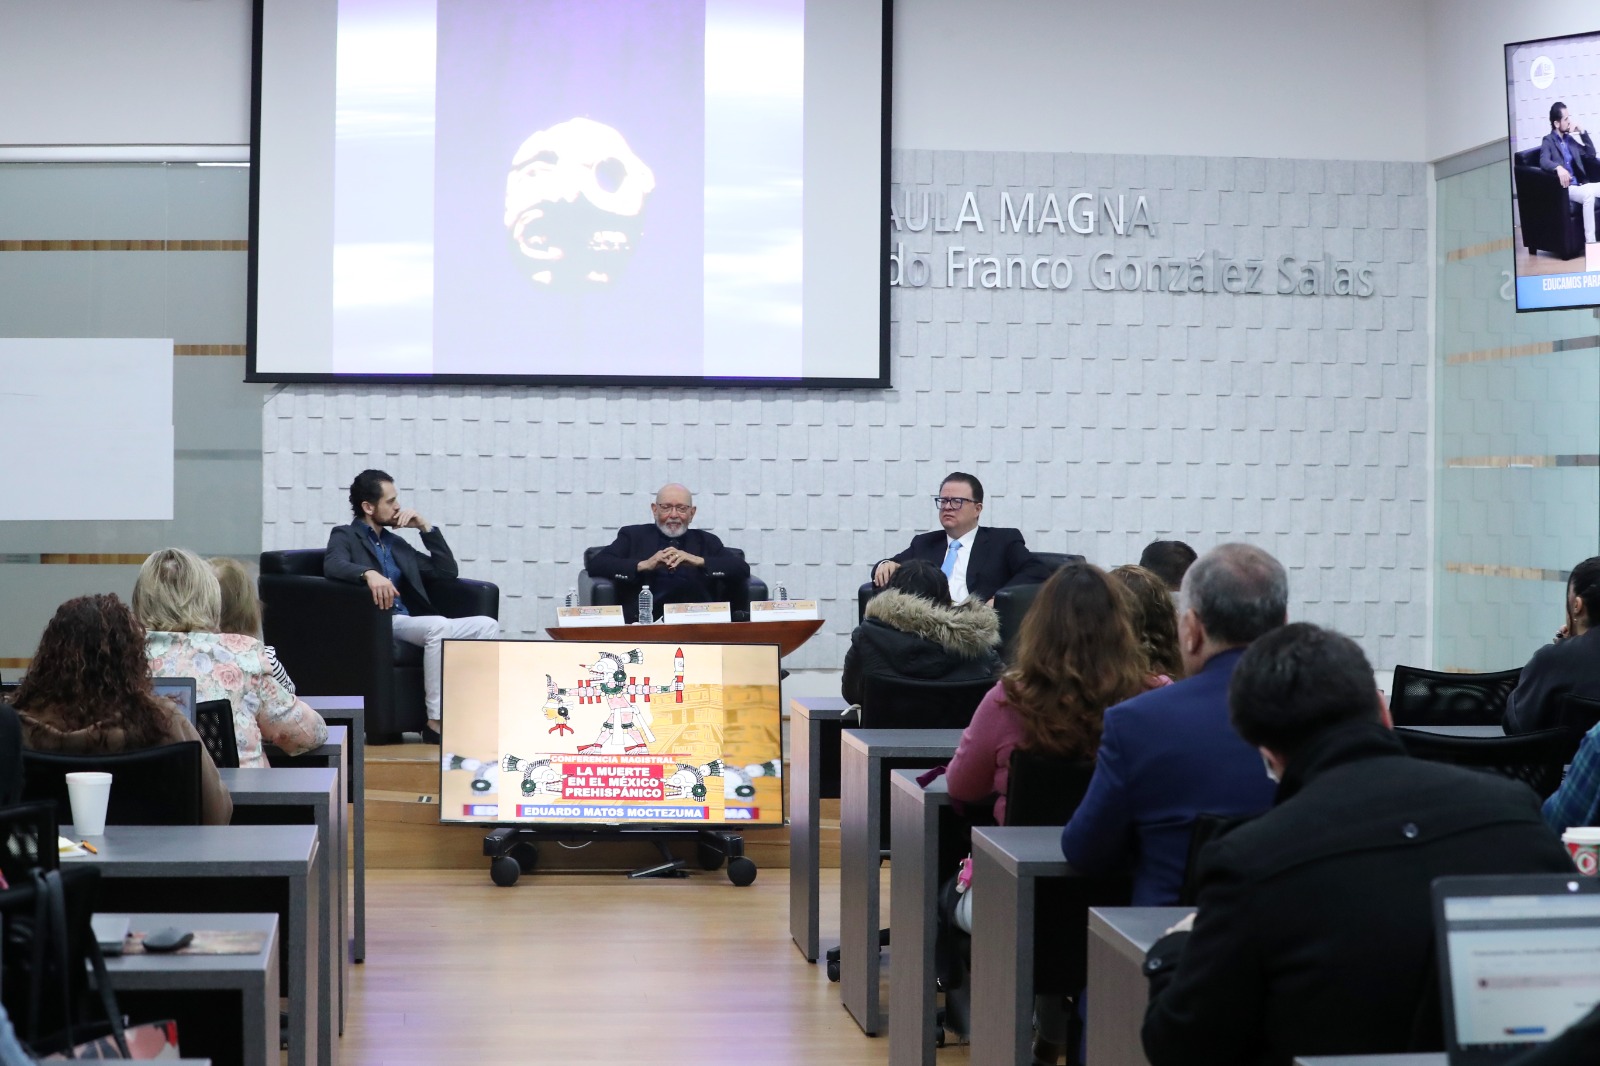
x,y
1519,961
180,690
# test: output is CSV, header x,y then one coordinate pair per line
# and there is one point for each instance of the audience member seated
x,y
1169,560
241,612
10,756
1155,619
1314,931
978,561
1169,755
678,563
87,692
1077,654
912,630
179,601
1577,801
1569,665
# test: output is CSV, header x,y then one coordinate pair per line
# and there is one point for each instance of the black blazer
x,y
1315,927
619,560
350,555
1000,557
1571,666
1585,164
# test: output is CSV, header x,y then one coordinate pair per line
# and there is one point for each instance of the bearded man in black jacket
x,y
1314,933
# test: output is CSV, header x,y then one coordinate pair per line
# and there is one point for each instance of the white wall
x,y
1466,99
99,72
1239,78
1245,77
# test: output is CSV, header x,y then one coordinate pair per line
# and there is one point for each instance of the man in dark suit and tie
x,y
680,564
979,561
1568,152
366,553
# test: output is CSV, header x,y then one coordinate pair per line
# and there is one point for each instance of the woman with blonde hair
x,y
179,600
1155,619
1076,655
87,692
241,611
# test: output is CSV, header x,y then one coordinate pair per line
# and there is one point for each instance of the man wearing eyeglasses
x,y
681,565
978,560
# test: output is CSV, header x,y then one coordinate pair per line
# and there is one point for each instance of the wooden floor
x,y
589,968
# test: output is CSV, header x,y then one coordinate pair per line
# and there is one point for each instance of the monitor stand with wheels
x,y
514,851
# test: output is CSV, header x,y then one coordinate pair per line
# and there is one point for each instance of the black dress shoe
x,y
430,735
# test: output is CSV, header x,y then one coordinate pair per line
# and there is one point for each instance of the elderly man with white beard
x,y
679,564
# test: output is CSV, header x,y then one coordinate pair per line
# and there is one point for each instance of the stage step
x,y
403,830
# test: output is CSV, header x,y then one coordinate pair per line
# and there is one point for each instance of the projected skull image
x,y
575,199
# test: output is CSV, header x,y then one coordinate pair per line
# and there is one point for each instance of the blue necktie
x,y
950,558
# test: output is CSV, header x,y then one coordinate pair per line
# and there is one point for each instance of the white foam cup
x,y
1583,844
89,792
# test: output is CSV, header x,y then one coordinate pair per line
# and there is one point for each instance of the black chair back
x,y
1207,827
1580,713
155,786
1539,759
213,720
1429,697
902,703
28,833
1045,789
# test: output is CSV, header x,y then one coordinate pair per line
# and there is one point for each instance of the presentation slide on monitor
x,y
1526,973
1553,100
684,190
576,733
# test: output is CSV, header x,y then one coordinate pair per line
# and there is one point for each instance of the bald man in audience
x,y
680,564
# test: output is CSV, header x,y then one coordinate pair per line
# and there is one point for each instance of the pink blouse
x,y
227,666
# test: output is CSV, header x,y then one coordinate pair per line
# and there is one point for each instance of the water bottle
x,y
647,606
780,592
572,597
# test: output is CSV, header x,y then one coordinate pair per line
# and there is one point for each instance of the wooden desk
x,y
149,869
811,720
299,796
866,757
156,987
350,710
787,635
914,814
1119,938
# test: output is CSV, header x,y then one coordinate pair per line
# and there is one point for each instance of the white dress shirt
x,y
958,572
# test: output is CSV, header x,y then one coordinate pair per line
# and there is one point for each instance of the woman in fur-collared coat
x,y
912,630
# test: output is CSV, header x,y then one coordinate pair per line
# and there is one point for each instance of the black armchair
x,y
153,786
604,591
1551,222
1053,560
1433,697
335,642
1538,759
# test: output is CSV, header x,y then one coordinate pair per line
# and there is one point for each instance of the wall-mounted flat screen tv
x,y
608,733
1553,107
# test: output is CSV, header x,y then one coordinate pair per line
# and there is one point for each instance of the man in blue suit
x,y
1171,754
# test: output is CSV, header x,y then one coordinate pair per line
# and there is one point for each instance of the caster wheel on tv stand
x,y
504,871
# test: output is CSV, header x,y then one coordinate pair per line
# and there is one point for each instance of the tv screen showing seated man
x,y
1553,101
573,733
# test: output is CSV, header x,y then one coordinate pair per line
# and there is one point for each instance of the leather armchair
x,y
604,592
1550,221
335,642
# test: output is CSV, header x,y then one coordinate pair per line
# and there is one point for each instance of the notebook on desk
x,y
180,690
1519,961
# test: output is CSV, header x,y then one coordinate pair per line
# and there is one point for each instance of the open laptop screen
x,y
1520,960
179,690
